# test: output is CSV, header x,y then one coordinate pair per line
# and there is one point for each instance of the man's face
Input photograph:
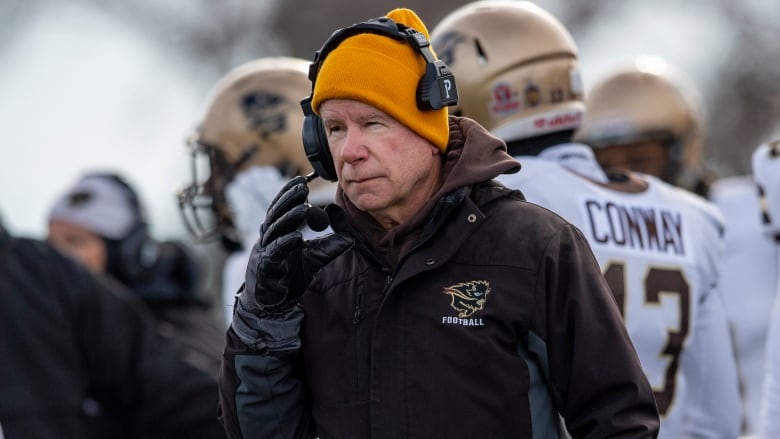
x,y
646,157
79,243
383,167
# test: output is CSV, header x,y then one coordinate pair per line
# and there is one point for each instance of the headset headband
x,y
378,26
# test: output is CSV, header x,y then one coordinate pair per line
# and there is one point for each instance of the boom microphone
x,y
317,219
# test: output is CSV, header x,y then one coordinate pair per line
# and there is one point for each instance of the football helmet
x,y
252,118
646,101
516,67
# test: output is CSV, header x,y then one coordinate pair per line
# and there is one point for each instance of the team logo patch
x,y
468,297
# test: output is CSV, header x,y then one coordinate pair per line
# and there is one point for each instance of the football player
x,y
247,145
658,246
766,171
748,278
645,116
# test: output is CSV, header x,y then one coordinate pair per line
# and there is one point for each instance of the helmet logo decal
x,y
265,113
575,83
562,121
531,94
77,199
468,297
774,149
445,46
557,95
504,100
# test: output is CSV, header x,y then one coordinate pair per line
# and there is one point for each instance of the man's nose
x,y
354,147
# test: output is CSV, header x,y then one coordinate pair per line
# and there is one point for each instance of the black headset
x,y
435,90
134,254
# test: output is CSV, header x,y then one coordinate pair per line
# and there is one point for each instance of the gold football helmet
x,y
516,68
646,101
252,118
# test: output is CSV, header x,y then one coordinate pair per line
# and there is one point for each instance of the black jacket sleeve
x,y
133,366
71,336
261,394
608,397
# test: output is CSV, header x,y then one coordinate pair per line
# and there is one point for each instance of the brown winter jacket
x,y
484,316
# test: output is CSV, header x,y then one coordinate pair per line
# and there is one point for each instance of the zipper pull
x,y
358,316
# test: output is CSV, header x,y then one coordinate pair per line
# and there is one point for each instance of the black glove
x,y
281,264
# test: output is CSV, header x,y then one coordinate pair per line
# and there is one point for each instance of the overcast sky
x,y
82,92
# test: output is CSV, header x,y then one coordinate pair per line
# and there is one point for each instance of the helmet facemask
x,y
203,203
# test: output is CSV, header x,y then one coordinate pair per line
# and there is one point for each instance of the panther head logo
x,y
265,112
468,297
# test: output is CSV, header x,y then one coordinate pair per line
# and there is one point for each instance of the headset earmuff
x,y
315,143
137,250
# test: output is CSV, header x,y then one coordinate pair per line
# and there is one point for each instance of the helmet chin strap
x,y
231,169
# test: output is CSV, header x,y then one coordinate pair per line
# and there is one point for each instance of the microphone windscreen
x,y
317,219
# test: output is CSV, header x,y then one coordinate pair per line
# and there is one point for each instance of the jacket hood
x,y
473,156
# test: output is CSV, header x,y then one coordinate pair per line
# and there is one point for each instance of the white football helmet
x,y
516,68
253,117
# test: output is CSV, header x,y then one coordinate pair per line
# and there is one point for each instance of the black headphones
x,y
435,90
130,257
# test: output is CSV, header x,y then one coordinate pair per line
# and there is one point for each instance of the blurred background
x,y
118,84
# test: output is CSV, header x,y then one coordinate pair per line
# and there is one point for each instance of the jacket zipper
x,y
388,281
357,316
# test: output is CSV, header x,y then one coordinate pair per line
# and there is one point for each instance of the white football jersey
x,y
766,171
769,417
659,248
747,285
